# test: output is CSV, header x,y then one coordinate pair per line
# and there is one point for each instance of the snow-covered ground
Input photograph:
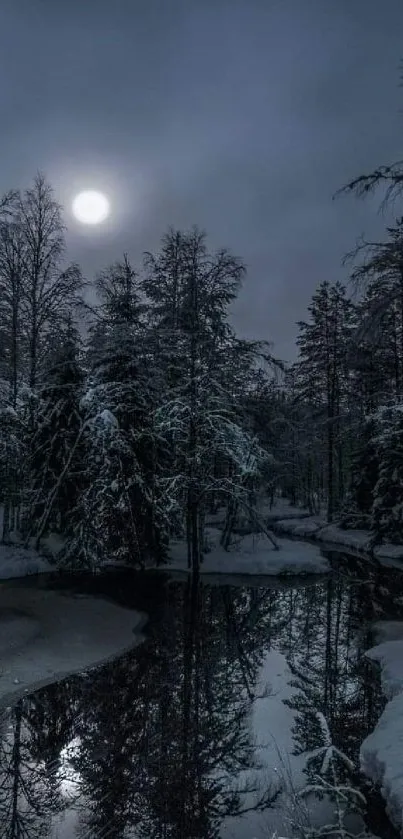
x,y
253,554
297,523
47,635
16,561
382,751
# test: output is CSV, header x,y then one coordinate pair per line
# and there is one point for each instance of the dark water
x,y
157,743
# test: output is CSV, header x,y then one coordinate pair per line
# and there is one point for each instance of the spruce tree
x,y
120,515
190,290
380,336
54,462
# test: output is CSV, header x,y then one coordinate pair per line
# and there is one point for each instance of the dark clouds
x,y
242,116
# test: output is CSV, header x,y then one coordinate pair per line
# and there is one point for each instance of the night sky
x,y
241,116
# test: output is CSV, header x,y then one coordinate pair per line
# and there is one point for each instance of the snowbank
x,y
47,635
282,509
382,751
316,528
306,527
16,561
253,555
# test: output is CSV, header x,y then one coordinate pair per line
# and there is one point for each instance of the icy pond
x,y
189,734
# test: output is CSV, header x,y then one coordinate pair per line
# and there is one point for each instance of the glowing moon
x,y
91,207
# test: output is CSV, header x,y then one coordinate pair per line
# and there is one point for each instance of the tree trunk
x,y
193,490
6,518
14,359
330,441
229,525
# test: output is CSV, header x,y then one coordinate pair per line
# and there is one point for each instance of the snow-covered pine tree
x,y
380,335
120,514
376,364
190,290
56,453
246,371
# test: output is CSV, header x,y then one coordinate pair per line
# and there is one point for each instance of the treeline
x,y
342,440
344,397
124,421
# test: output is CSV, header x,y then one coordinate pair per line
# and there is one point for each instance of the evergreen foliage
x,y
163,414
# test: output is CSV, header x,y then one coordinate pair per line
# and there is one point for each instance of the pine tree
x,y
125,447
190,290
380,337
120,515
54,463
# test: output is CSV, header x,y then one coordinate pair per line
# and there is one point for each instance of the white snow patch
x,y
388,631
391,552
305,527
108,418
253,555
16,561
282,509
315,527
357,539
48,635
382,752
51,545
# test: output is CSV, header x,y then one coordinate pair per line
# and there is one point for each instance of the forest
x,y
130,409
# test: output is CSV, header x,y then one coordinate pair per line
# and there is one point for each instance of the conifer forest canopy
x,y
125,420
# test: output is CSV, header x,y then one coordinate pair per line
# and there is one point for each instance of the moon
x,y
91,207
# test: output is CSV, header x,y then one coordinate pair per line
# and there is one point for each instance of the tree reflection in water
x,y
163,737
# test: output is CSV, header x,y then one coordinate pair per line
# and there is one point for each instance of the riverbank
x,y
253,554
381,753
47,635
299,524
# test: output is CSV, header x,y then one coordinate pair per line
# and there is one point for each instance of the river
x,y
193,734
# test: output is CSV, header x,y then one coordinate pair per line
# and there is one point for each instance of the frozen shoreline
x,y
381,753
47,635
302,526
252,556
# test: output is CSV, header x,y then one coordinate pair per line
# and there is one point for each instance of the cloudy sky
x,y
241,116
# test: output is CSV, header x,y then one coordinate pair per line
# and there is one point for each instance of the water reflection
x,y
159,743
